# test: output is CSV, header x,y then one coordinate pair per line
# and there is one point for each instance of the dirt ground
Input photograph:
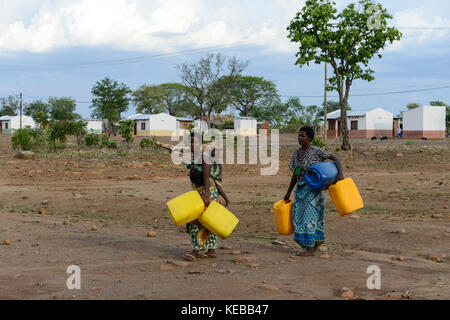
x,y
99,206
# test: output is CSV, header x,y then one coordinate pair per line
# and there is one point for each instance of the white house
x,y
362,124
246,126
9,124
424,122
159,125
94,126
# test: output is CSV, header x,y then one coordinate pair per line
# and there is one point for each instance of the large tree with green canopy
x,y
347,40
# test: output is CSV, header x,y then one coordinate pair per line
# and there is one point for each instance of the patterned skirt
x,y
308,216
202,238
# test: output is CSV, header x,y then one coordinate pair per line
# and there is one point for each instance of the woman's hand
x,y
340,176
206,199
287,197
227,203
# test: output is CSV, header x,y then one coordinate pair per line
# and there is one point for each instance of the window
x,y
354,125
142,125
6,125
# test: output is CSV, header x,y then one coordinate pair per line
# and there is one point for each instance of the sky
x,y
63,47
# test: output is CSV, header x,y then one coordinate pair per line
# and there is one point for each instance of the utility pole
x,y
325,106
21,110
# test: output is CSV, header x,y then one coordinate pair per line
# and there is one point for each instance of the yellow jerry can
x,y
282,212
218,220
186,208
345,196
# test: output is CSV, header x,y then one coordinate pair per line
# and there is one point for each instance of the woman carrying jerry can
x,y
308,211
200,174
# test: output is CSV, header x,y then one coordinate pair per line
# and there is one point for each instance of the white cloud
x,y
143,25
168,25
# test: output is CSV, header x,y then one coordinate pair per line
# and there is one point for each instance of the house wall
x,y
245,126
377,122
424,122
94,126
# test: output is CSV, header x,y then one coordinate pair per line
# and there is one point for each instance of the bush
x,y
22,139
92,139
104,141
112,145
318,142
146,143
126,130
28,139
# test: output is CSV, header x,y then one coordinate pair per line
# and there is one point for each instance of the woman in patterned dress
x,y
308,211
200,174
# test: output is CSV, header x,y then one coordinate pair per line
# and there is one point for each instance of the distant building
x,y
159,125
94,126
246,126
362,124
424,122
9,124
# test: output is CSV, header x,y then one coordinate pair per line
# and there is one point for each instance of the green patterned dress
x,y
202,238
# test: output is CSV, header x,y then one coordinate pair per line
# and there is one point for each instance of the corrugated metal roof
x,y
245,118
350,113
184,119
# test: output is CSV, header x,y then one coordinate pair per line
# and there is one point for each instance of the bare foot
x,y
308,253
211,253
317,245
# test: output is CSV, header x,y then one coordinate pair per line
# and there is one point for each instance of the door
x,y
339,129
135,128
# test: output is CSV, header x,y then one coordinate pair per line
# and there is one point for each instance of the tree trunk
x,y
343,98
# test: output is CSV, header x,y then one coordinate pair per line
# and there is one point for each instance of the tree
x,y
250,93
148,99
62,109
332,106
346,40
109,100
301,114
9,106
170,97
209,82
413,105
33,108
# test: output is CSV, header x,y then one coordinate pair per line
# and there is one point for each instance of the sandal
x,y
190,257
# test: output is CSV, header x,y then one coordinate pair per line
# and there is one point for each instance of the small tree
x,y
347,40
78,129
126,130
209,82
109,100
58,132
62,109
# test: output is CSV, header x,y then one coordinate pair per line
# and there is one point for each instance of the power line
x,y
371,94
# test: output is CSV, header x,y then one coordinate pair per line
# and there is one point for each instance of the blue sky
x,y
43,43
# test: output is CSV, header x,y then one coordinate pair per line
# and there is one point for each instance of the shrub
x,y
145,143
126,130
92,139
112,145
104,141
22,139
318,142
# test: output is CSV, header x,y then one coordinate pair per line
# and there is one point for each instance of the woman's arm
x,y
223,194
291,187
206,172
338,163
